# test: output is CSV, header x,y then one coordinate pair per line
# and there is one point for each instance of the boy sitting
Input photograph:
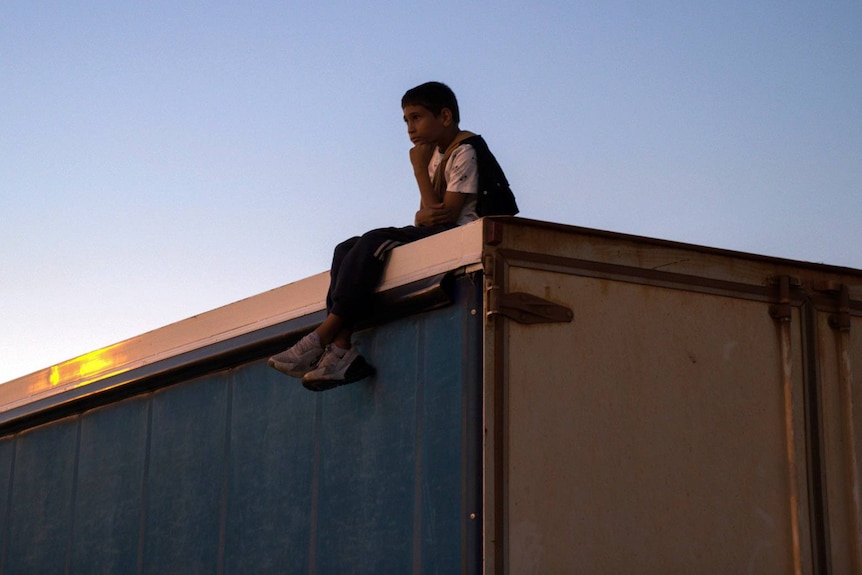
x,y
447,173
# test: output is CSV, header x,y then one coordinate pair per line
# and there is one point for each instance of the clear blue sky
x,y
160,159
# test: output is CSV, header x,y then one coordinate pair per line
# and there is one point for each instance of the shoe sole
x,y
278,366
282,367
359,369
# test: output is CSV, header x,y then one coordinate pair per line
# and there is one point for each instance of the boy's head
x,y
434,96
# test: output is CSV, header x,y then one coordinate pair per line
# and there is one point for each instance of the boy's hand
x,y
432,215
445,212
420,156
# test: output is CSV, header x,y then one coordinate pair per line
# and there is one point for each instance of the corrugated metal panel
x,y
7,456
244,471
272,474
40,520
186,477
109,503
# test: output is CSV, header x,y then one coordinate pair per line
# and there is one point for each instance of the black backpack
x,y
495,196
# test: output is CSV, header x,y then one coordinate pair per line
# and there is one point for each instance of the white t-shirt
x,y
462,176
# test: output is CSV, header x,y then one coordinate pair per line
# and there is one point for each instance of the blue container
x,y
210,462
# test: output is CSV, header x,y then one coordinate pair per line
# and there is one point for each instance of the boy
x,y
447,176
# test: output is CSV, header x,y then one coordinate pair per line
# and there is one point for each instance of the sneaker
x,y
337,367
299,359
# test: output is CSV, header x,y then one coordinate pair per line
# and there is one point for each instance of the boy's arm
x,y
420,157
442,213
432,210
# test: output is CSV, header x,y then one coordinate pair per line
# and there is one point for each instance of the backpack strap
x,y
439,178
494,196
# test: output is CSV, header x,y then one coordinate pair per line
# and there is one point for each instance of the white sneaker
x,y
299,359
337,367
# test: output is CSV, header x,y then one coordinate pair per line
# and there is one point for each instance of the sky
x,y
161,159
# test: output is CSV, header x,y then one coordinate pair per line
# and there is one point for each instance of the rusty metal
x,y
841,322
782,312
493,232
841,319
631,274
851,462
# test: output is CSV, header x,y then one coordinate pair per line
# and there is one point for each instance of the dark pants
x,y
358,264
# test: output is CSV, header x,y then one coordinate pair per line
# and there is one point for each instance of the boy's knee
x,y
376,235
346,245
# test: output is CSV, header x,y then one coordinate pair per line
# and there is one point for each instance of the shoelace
x,y
329,360
306,345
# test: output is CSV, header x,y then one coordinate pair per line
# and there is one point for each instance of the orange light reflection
x,y
88,367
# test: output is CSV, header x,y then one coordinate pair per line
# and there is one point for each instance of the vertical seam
x,y
145,491
222,537
73,496
315,484
7,521
417,450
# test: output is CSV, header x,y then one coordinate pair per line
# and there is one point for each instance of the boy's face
x,y
423,127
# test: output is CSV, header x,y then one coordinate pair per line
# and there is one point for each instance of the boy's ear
x,y
446,116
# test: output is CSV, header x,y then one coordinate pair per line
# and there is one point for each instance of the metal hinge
x,y
782,310
526,308
840,320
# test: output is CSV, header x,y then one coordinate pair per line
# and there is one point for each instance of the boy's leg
x,y
305,354
357,268
338,255
333,329
360,271
361,268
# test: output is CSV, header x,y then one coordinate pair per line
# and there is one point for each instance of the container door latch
x,y
527,308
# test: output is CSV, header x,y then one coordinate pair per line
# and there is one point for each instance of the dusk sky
x,y
161,159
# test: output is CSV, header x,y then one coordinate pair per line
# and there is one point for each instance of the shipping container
x,y
548,400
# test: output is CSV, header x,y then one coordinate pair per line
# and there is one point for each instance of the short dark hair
x,y
435,96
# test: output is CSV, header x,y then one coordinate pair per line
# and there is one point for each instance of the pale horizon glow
x,y
160,160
